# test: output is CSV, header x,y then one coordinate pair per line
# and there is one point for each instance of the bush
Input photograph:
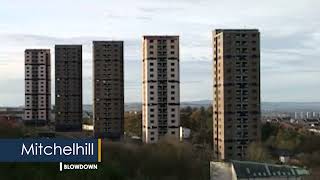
x,y
166,160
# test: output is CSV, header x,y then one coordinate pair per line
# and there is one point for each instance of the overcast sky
x,y
290,40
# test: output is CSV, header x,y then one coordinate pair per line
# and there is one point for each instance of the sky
x,y
290,41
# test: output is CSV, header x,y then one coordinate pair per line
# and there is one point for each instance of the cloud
x,y
160,9
290,39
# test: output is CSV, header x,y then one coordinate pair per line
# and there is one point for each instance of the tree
x,y
257,152
185,117
201,126
287,139
133,123
268,130
87,121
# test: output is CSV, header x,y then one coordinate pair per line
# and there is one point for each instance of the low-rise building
x,y
184,133
17,112
10,120
238,170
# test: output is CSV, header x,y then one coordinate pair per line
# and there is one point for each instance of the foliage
x,y
165,160
258,152
10,130
133,123
87,121
301,144
310,159
199,120
268,130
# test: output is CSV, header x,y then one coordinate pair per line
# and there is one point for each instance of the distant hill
x,y
201,103
291,106
136,106
266,106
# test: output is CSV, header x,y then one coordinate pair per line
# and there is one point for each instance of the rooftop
x,y
37,50
68,45
109,41
240,30
160,36
248,169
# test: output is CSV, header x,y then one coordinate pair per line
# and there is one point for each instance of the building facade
x,y
37,86
236,92
244,170
160,88
68,87
108,89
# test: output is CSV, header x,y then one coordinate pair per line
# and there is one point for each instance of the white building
x,y
160,88
37,86
184,133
